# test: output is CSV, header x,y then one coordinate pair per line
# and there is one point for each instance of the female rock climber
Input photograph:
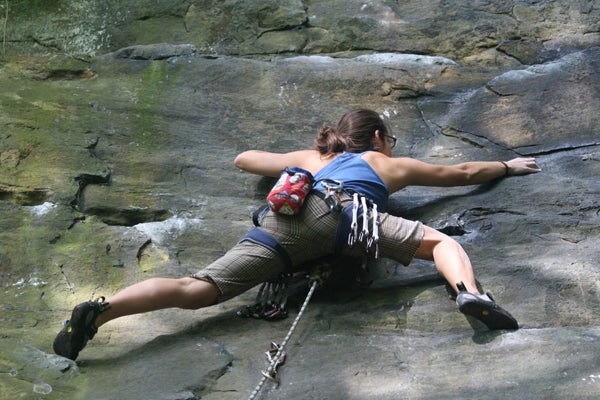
x,y
357,156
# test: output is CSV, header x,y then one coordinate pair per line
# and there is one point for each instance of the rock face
x,y
119,123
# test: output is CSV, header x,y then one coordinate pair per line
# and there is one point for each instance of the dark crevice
x,y
68,75
453,230
472,138
417,210
559,149
25,197
300,27
497,93
18,125
82,181
480,211
45,44
107,213
75,221
159,51
208,381
55,239
183,172
128,216
482,141
140,252
68,282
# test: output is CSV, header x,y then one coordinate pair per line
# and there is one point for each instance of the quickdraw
x,y
279,358
271,301
364,233
373,240
354,225
370,239
276,358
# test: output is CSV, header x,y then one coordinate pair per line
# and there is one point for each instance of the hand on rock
x,y
522,166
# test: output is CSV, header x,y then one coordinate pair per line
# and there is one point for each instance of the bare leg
x,y
453,263
158,293
449,258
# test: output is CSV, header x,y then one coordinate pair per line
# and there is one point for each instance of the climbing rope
x,y
271,372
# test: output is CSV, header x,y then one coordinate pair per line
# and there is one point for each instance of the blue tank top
x,y
357,176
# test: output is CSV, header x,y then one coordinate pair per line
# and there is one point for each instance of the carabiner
x,y
364,234
354,225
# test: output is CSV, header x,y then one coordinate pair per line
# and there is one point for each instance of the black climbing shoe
x,y
484,308
79,329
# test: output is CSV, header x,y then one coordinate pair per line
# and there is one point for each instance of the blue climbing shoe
x,y
484,308
79,329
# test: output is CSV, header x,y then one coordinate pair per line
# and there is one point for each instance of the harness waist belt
x,y
344,223
261,237
319,194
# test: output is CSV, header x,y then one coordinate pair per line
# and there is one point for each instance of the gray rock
x,y
160,51
116,151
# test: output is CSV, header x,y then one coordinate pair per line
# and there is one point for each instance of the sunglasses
x,y
390,139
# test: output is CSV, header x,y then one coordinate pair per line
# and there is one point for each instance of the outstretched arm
x,y
271,164
407,171
470,173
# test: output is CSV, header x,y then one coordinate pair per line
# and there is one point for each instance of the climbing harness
x,y
261,237
271,301
316,278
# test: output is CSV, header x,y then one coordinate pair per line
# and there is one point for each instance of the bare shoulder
x,y
394,171
313,161
305,154
307,159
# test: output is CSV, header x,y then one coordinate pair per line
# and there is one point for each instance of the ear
x,y
376,137
376,141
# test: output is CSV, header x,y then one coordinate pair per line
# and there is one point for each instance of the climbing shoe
x,y
79,329
484,308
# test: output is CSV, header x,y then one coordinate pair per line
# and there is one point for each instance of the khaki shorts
x,y
307,236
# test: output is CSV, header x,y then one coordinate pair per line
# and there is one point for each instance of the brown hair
x,y
353,134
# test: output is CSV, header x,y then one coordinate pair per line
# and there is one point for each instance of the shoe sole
x,y
493,316
66,343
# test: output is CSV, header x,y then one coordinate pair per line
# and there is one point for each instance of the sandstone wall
x,y
119,123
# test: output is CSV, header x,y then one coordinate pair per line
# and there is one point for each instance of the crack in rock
x,y
24,196
141,250
209,381
160,51
472,138
557,149
87,179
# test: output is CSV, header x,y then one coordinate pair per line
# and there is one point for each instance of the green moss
x,y
150,131
42,126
